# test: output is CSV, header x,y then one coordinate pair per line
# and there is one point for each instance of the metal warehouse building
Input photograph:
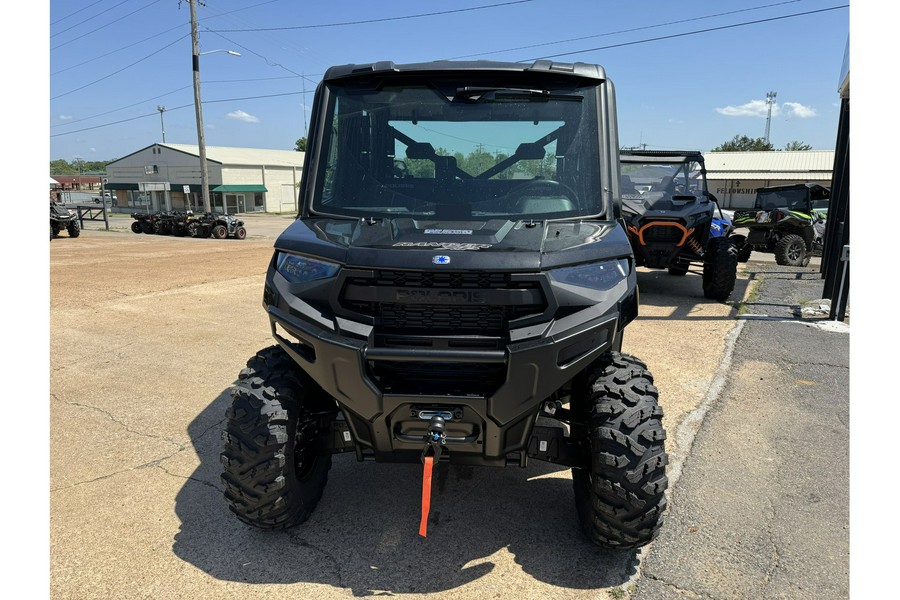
x,y
165,177
734,177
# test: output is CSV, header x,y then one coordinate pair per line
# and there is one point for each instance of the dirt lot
x,y
148,333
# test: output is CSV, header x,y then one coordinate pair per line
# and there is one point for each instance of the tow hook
x,y
435,439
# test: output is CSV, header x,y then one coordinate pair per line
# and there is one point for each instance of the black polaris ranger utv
x,y
669,215
457,270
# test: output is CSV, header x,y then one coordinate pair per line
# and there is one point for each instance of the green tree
x,y
61,166
795,145
300,145
742,143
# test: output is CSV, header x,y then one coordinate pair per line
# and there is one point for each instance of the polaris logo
x,y
441,297
441,260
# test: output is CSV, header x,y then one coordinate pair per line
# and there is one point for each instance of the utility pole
x,y
162,123
204,171
770,101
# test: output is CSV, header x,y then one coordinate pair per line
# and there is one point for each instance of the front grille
x,y
438,378
662,234
430,279
448,319
441,303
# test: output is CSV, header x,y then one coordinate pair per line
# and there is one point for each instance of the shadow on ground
x,y
659,289
363,536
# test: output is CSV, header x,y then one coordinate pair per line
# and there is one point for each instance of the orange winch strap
x,y
426,496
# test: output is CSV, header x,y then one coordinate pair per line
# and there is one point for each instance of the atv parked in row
x,y
181,224
787,221
217,225
671,218
433,312
62,218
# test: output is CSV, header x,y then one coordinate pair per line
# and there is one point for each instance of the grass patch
x,y
751,296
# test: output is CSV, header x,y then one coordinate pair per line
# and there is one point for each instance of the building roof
x,y
244,156
812,165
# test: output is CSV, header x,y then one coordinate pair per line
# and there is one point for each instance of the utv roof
x,y
663,156
388,68
793,186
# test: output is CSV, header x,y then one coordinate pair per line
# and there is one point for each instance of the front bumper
x,y
483,429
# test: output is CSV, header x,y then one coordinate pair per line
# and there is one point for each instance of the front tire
x,y
790,251
136,227
272,474
73,228
620,490
719,269
240,233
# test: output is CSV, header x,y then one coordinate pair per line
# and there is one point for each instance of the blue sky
x,y
111,63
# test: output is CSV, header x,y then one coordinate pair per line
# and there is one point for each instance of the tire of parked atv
x,y
219,232
744,253
240,233
620,490
719,269
136,227
73,228
790,251
273,478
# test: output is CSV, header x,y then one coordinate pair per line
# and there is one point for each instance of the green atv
x,y
787,221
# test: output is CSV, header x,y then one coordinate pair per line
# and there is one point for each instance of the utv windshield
x,y
664,179
799,199
447,150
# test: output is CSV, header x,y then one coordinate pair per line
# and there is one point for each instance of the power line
x,y
52,23
107,25
53,35
677,35
120,70
368,21
132,45
111,52
632,30
115,110
155,112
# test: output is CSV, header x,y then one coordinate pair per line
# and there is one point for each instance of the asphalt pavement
x,y
760,506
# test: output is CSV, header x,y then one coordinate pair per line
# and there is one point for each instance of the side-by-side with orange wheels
x,y
670,217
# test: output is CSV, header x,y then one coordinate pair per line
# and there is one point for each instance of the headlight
x,y
599,276
299,269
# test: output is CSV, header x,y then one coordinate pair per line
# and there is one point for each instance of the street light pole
x,y
201,143
204,171
162,123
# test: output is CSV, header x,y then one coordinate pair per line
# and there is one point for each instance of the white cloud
x,y
795,109
759,108
65,117
754,108
242,116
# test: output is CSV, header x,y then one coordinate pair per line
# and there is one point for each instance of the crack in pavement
x,y
295,538
123,425
681,591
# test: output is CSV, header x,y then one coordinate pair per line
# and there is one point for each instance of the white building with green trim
x,y
165,177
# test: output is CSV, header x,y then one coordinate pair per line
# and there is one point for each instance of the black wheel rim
x,y
795,252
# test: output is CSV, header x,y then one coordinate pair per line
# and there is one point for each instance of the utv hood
x,y
497,244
